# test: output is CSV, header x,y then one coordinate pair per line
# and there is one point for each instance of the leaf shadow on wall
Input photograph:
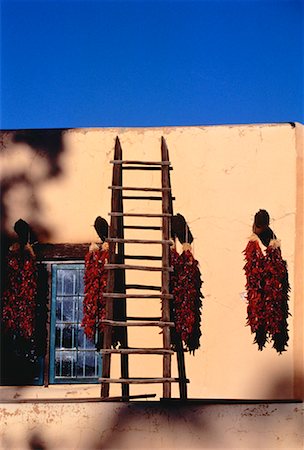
x,y
36,442
138,424
31,158
45,149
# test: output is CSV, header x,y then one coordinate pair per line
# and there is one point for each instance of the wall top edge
x,y
163,128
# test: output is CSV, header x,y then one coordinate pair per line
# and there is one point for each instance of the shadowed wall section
x,y
96,426
30,159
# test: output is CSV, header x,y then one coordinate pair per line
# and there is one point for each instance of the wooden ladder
x,y
119,291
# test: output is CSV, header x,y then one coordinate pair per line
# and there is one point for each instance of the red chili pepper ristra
x,y
267,294
95,282
19,297
185,286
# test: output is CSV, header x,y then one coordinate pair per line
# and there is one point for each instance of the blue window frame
x,y
73,357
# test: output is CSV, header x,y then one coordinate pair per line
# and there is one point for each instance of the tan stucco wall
x,y
222,175
88,426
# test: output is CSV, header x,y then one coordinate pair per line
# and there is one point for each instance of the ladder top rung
x,y
151,323
141,163
140,241
144,189
142,351
118,295
119,214
134,267
142,380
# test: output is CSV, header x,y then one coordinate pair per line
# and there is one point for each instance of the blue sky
x,y
150,63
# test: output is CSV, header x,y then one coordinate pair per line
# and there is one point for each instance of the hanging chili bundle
x,y
276,296
267,294
185,286
254,269
19,297
174,260
95,282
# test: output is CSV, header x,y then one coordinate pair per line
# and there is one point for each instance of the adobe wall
x,y
92,426
221,176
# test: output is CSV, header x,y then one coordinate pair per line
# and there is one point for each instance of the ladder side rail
x,y
113,232
121,274
165,263
178,342
107,337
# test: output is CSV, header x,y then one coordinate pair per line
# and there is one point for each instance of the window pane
x,y
89,343
66,281
58,336
65,364
58,364
81,280
89,364
69,310
81,338
68,364
80,366
59,309
80,309
68,338
83,341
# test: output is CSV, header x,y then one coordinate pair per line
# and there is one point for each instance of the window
x,y
73,358
59,351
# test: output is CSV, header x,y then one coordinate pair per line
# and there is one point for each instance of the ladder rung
x,y
118,295
143,380
132,267
143,286
140,241
143,189
137,197
144,168
122,398
142,318
119,214
139,351
141,227
145,257
152,323
141,163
